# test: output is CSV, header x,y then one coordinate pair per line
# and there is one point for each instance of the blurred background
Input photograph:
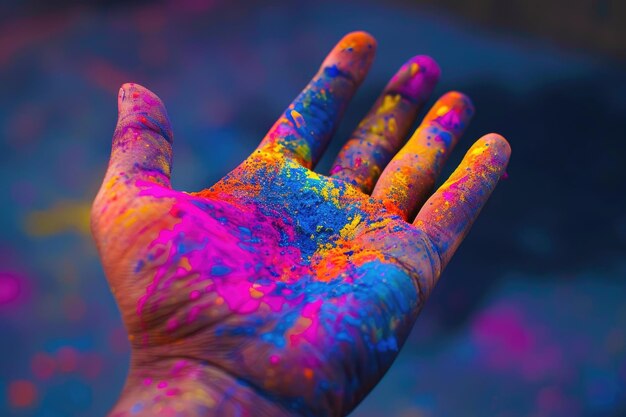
x,y
530,317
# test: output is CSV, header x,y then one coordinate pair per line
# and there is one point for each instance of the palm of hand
x,y
300,286
308,294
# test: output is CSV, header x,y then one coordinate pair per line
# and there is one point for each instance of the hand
x,y
280,291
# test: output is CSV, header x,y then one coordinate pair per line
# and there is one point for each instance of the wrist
x,y
185,388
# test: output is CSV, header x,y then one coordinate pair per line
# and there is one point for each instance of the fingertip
x,y
145,107
426,65
361,38
416,79
489,155
351,57
498,141
496,145
453,112
458,100
135,97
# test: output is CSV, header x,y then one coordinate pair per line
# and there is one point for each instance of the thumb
x,y
141,157
142,142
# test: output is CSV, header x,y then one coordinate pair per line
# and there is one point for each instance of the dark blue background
x,y
528,320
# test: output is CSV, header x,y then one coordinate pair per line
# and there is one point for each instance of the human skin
x,y
279,291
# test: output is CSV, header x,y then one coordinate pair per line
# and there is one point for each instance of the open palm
x,y
280,291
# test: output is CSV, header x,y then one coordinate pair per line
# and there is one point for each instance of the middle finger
x,y
385,128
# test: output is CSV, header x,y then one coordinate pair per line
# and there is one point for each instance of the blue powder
x,y
219,270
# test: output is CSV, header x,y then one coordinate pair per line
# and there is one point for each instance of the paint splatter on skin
x,y
278,290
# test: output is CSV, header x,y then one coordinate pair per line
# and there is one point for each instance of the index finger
x,y
305,128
